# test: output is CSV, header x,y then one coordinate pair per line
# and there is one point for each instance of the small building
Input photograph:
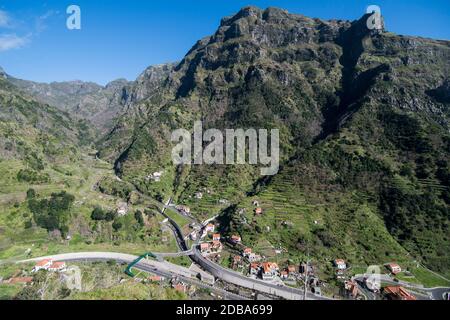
x,y
57,266
247,252
49,265
180,287
122,209
216,237
224,201
183,209
155,278
19,280
205,247
254,269
157,174
394,268
258,211
284,274
216,246
252,257
198,195
255,203
352,288
42,265
235,239
398,293
340,264
291,269
269,270
210,227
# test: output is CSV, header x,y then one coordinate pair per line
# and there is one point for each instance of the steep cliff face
x,y
364,130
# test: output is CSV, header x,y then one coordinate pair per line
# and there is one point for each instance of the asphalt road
x,y
144,265
429,293
235,277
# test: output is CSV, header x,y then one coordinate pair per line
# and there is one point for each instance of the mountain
x,y
85,100
97,104
364,137
35,133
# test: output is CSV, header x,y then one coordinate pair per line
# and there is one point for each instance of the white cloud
x,y
41,20
11,41
4,19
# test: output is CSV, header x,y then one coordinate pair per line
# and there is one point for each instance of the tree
x,y
98,214
139,218
31,194
54,213
110,216
117,225
28,224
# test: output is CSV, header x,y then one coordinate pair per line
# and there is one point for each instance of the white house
x,y
269,270
210,227
122,208
254,269
57,266
394,268
198,195
42,265
50,265
340,264
235,239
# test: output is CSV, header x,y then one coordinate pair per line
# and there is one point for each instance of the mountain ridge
x,y
358,118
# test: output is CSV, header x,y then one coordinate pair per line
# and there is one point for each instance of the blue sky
x,y
120,38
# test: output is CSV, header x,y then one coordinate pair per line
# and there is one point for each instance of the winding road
x,y
164,269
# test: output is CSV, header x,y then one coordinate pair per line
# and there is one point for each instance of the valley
x,y
363,179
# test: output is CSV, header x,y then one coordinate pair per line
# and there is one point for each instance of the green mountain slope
x,y
364,129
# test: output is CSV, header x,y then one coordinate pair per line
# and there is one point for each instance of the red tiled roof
x,y
204,245
254,265
20,280
57,265
43,263
399,292
155,278
180,287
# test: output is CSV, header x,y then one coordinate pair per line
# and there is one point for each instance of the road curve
x,y
229,275
237,278
163,269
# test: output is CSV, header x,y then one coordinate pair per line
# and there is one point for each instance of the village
x,y
256,266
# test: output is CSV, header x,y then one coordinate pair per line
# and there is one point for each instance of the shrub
x,y
98,214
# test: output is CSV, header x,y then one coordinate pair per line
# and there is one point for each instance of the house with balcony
x,y
269,270
394,268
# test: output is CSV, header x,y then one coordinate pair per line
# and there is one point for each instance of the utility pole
x,y
306,274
